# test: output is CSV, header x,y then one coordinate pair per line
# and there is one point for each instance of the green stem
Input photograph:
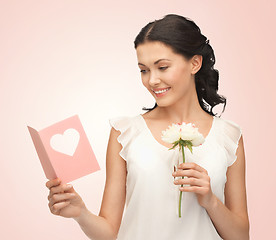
x,y
180,196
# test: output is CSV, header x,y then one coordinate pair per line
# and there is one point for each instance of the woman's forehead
x,y
153,51
150,52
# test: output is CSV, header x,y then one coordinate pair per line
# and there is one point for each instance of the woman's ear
x,y
196,63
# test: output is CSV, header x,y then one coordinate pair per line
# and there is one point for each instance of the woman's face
x,y
167,76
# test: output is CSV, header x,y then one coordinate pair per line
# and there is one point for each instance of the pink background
x,y
60,58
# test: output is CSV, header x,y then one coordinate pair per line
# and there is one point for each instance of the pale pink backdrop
x,y
60,58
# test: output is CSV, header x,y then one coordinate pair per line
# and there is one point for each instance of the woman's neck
x,y
186,109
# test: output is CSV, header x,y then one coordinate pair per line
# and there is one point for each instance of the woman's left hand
x,y
199,182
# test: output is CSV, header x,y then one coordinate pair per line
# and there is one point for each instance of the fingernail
x,y
69,186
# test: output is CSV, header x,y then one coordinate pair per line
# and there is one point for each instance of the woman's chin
x,y
161,103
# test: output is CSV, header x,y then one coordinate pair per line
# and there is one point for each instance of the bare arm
x,y
231,220
107,224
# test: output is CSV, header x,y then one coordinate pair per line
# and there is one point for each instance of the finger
x,y
53,182
195,189
192,165
61,197
69,189
59,189
191,181
55,209
188,173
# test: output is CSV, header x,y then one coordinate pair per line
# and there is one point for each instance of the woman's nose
x,y
154,80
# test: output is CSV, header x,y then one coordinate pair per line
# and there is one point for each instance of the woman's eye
x,y
163,68
143,71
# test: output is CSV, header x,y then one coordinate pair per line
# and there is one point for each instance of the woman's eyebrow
x,y
156,61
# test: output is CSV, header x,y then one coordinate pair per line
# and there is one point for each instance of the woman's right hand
x,y
64,200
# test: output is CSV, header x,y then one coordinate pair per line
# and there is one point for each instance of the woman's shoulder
x,y
124,122
128,126
124,118
227,125
229,134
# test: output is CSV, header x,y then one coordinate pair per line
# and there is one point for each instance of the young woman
x,y
176,63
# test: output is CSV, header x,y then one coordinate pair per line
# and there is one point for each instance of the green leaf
x,y
190,147
175,144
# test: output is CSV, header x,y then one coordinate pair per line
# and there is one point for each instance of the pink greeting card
x,y
64,150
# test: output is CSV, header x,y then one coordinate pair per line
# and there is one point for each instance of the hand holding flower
x,y
199,181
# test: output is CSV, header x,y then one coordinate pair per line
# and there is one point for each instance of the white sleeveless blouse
x,y
152,198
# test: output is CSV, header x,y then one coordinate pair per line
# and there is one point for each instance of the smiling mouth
x,y
161,91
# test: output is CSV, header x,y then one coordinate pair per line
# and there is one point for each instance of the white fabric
x,y
152,198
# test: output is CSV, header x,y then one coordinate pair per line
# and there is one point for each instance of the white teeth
x,y
161,91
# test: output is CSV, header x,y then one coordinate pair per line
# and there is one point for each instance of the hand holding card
x,y
64,150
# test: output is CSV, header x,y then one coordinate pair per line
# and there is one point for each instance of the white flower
x,y
183,131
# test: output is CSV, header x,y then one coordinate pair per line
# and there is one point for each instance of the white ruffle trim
x,y
232,134
123,124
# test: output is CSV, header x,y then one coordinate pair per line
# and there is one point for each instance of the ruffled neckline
x,y
145,126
